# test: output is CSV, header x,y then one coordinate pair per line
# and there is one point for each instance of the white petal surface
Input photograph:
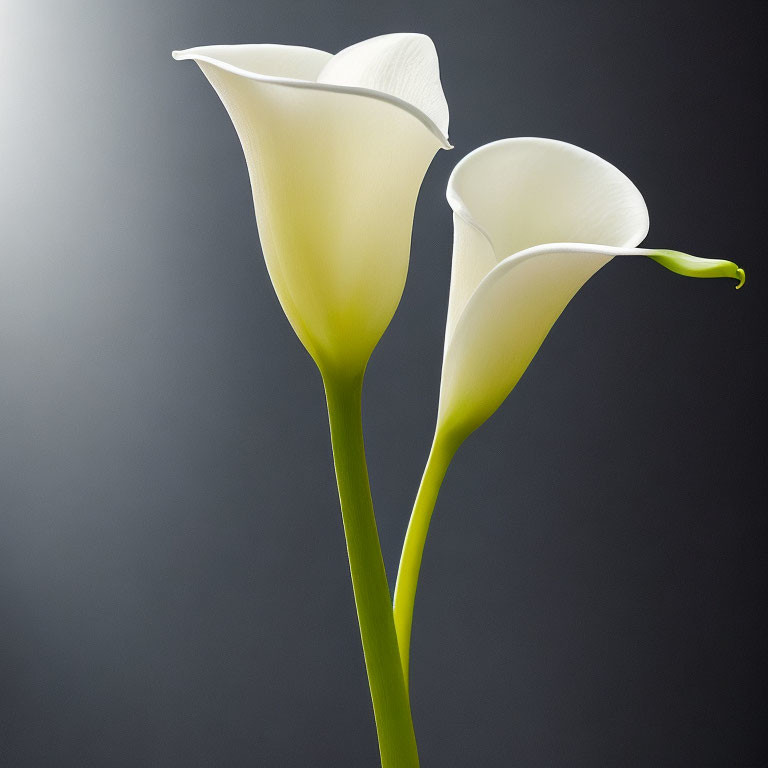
x,y
404,65
524,192
504,324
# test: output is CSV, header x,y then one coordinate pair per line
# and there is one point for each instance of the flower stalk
x,y
440,456
391,707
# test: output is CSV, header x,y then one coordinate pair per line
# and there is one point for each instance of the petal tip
x,y
693,266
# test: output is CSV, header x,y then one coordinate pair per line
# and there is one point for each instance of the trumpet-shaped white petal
x,y
336,148
534,220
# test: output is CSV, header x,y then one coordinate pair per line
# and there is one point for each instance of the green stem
x,y
440,456
391,707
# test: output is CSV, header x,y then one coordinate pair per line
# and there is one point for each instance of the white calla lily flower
x,y
336,148
534,219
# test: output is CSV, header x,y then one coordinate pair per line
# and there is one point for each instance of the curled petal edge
x,y
675,261
195,54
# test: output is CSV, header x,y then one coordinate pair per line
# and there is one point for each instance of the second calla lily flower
x,y
534,219
337,148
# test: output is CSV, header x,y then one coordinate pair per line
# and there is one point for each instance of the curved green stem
x,y
440,456
391,707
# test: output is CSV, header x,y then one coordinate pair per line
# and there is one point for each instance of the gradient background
x,y
173,582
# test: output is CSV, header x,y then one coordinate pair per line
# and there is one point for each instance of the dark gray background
x,y
173,583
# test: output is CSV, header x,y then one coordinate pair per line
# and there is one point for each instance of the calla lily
x,y
534,219
336,148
